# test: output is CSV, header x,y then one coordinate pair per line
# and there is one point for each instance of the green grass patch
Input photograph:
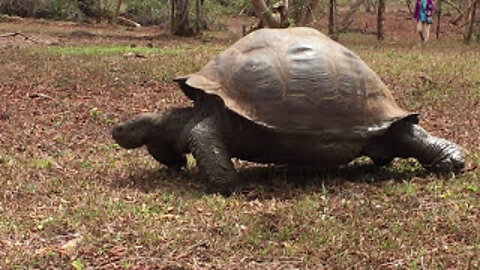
x,y
99,51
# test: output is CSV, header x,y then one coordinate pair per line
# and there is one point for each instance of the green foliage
x,y
224,7
30,8
41,163
78,265
58,9
101,51
148,12
50,9
63,9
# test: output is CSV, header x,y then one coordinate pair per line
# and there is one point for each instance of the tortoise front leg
x,y
212,157
380,151
434,153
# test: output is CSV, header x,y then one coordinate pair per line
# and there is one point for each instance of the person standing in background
x,y
423,14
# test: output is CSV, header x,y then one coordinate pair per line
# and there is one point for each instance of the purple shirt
x,y
429,10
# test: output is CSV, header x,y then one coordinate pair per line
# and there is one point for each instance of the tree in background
x,y
283,13
200,20
470,20
309,13
187,18
380,19
274,17
49,9
332,28
439,18
117,11
180,19
180,23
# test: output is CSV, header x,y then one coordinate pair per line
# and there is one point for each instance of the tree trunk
x,y
478,32
309,15
332,28
172,16
92,9
267,16
200,21
439,17
117,10
380,19
409,6
468,8
181,22
471,24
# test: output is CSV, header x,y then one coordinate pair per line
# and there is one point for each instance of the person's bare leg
x,y
426,31
420,30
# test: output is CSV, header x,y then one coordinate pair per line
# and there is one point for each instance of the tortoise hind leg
x,y
212,157
434,153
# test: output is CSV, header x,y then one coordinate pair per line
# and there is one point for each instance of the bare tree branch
x,y
461,14
347,20
454,6
268,17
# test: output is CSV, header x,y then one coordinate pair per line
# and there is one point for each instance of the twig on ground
x,y
40,95
19,34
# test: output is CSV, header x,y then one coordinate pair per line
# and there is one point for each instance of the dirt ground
x,y
72,199
398,26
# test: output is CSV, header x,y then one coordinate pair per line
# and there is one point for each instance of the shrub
x,y
52,9
148,12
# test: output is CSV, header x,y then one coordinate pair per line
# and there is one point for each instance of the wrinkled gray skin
x,y
214,134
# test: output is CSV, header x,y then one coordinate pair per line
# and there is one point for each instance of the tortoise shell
x,y
299,80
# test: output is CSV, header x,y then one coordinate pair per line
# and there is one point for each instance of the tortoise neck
x,y
175,121
178,123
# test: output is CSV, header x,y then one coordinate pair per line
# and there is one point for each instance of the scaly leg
x,y
212,157
434,153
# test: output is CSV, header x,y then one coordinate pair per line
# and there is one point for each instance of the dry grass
x,y
70,198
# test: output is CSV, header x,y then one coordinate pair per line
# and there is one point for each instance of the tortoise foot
x,y
449,164
224,189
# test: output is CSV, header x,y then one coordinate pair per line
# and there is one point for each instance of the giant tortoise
x,y
285,96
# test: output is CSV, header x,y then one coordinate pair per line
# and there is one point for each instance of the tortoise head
x,y
159,132
134,133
